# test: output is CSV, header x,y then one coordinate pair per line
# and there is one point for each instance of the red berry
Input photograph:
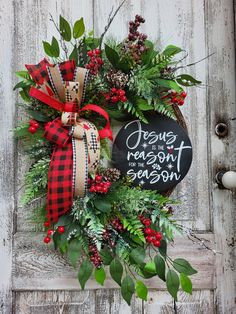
x,y
107,184
32,129
113,90
104,190
121,92
92,189
158,236
184,94
97,51
174,93
149,239
123,98
156,243
92,65
98,178
148,231
50,232
36,125
99,61
114,99
180,102
61,229
147,222
174,100
90,53
46,224
98,188
47,239
107,97
32,122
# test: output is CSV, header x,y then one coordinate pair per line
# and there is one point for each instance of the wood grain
x,y
39,267
7,123
220,23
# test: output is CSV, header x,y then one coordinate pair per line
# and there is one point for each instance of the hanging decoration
x,y
107,218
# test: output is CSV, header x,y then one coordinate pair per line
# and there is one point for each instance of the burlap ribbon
x,y
67,97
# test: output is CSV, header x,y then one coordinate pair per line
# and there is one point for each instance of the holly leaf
x,y
100,275
74,251
127,288
186,283
85,272
183,266
116,270
55,47
65,29
141,290
187,80
172,283
79,28
106,256
160,267
137,256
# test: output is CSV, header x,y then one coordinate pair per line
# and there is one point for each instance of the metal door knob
x,y
226,179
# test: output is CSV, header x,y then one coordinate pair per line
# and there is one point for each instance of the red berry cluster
x,y
116,95
176,98
33,126
117,224
106,235
94,256
151,235
95,61
60,229
98,185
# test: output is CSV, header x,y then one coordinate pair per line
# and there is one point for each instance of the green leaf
x,y
160,267
85,272
48,49
37,115
65,29
169,84
55,47
116,270
74,55
141,290
171,50
112,56
23,74
187,80
24,95
137,256
186,283
106,256
74,251
100,275
127,288
145,274
150,267
183,266
163,248
79,28
102,204
172,283
144,105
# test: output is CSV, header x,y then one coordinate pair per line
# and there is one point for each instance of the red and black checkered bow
x,y
61,175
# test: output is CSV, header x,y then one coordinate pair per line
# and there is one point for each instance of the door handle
x,y
226,179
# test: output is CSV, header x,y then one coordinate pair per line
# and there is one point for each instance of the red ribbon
x,y
68,107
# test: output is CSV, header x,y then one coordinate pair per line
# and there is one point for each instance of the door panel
x,y
42,281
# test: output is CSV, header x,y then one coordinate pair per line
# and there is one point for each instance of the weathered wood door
x,y
33,279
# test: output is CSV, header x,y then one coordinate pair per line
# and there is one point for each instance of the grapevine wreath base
x,y
96,215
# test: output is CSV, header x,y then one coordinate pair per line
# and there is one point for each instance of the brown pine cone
x,y
111,174
117,79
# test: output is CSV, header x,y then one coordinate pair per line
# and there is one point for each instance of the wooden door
x,y
34,279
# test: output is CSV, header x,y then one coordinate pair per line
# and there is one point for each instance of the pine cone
x,y
117,79
111,174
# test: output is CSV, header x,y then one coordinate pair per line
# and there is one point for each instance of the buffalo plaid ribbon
x,y
77,141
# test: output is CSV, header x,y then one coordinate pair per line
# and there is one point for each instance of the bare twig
x,y
62,41
194,63
110,20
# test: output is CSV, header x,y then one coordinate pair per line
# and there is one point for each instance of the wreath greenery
x,y
116,225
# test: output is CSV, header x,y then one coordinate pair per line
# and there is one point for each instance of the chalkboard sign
x,y
156,155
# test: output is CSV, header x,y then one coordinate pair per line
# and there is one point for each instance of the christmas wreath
x,y
93,213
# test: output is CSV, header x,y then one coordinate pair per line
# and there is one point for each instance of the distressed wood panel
x,y
7,123
39,267
110,302
222,108
186,29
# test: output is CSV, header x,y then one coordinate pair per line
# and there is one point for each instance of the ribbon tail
x,y
50,101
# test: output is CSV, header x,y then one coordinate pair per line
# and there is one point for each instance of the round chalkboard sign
x,y
156,155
